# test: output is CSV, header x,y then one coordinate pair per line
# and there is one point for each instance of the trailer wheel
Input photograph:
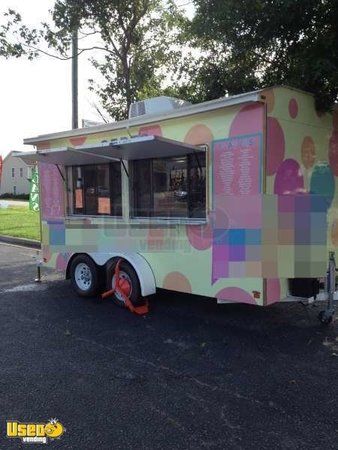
x,y
130,283
326,317
84,276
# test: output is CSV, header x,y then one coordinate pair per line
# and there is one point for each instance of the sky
x,y
35,95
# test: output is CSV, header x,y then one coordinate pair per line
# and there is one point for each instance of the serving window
x,y
173,187
96,189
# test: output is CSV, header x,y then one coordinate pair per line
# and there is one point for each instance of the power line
x,y
184,4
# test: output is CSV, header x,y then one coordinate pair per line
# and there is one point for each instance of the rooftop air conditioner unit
x,y
156,105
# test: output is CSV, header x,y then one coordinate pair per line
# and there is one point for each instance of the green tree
x,y
13,28
131,44
248,44
136,42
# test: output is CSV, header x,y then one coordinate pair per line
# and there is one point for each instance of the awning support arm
x,y
124,167
61,174
198,161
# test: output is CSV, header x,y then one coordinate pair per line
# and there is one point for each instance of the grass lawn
x,y
20,222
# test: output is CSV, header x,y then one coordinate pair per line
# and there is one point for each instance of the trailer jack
x,y
38,268
120,288
327,315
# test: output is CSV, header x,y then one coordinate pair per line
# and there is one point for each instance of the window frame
x,y
71,192
181,219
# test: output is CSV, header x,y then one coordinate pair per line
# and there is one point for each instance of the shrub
x,y
14,197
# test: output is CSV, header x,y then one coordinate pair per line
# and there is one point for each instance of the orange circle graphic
x,y
308,152
176,281
199,135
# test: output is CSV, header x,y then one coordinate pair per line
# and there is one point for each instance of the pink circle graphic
x,y
273,290
333,152
293,108
152,130
78,140
46,253
45,145
200,236
156,238
248,120
289,178
236,294
62,261
176,281
275,146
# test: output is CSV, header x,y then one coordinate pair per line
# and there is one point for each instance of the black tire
x,y
125,268
325,317
82,288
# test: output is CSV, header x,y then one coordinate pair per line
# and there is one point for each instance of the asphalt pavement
x,y
190,375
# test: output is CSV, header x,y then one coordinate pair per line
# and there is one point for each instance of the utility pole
x,y
75,84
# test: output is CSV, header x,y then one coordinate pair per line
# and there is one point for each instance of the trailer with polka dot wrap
x,y
271,162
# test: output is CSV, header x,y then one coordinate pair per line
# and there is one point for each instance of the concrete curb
x,y
20,241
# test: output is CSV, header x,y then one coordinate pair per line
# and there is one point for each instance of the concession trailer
x,y
233,199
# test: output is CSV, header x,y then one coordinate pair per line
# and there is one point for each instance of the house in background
x,y
15,175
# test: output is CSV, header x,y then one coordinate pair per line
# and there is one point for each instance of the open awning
x,y
62,156
139,147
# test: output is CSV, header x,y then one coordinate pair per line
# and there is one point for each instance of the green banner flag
x,y
34,191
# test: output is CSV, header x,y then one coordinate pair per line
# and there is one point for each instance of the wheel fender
x,y
138,262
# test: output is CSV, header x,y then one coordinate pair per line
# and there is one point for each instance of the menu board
x,y
237,178
237,165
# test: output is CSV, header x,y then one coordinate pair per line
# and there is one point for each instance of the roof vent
x,y
156,105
